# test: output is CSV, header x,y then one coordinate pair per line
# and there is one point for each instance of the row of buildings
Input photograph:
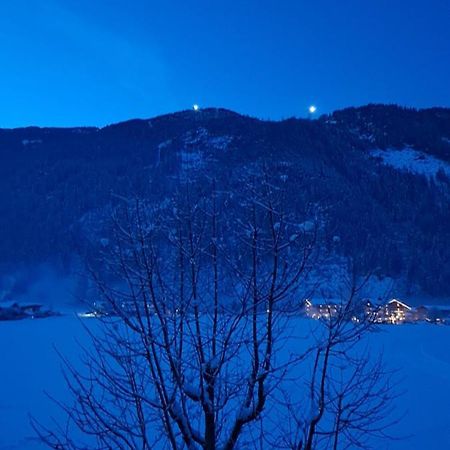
x,y
392,312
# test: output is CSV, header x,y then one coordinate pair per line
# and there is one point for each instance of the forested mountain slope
x,y
377,179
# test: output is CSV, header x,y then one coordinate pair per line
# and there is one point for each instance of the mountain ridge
x,y
220,112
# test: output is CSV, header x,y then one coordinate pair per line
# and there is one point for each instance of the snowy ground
x,y
29,366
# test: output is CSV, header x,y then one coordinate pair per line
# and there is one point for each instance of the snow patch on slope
x,y
201,137
191,160
413,161
26,142
196,149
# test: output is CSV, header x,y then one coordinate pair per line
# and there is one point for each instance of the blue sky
x,y
67,62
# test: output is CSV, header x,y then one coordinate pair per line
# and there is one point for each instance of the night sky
x,y
94,62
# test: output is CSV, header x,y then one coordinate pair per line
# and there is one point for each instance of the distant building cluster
x,y
392,312
14,311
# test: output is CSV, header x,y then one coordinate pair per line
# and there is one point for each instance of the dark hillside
x,y
55,182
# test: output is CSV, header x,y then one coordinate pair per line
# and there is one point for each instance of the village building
x,y
395,311
319,311
421,313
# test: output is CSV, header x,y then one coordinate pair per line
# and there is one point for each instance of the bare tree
x,y
189,349
194,317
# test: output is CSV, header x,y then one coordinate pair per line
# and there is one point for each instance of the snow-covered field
x,y
30,366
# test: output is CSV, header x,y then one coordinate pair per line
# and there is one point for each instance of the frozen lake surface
x,y
30,366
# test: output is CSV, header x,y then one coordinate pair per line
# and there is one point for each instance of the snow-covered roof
x,y
394,300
